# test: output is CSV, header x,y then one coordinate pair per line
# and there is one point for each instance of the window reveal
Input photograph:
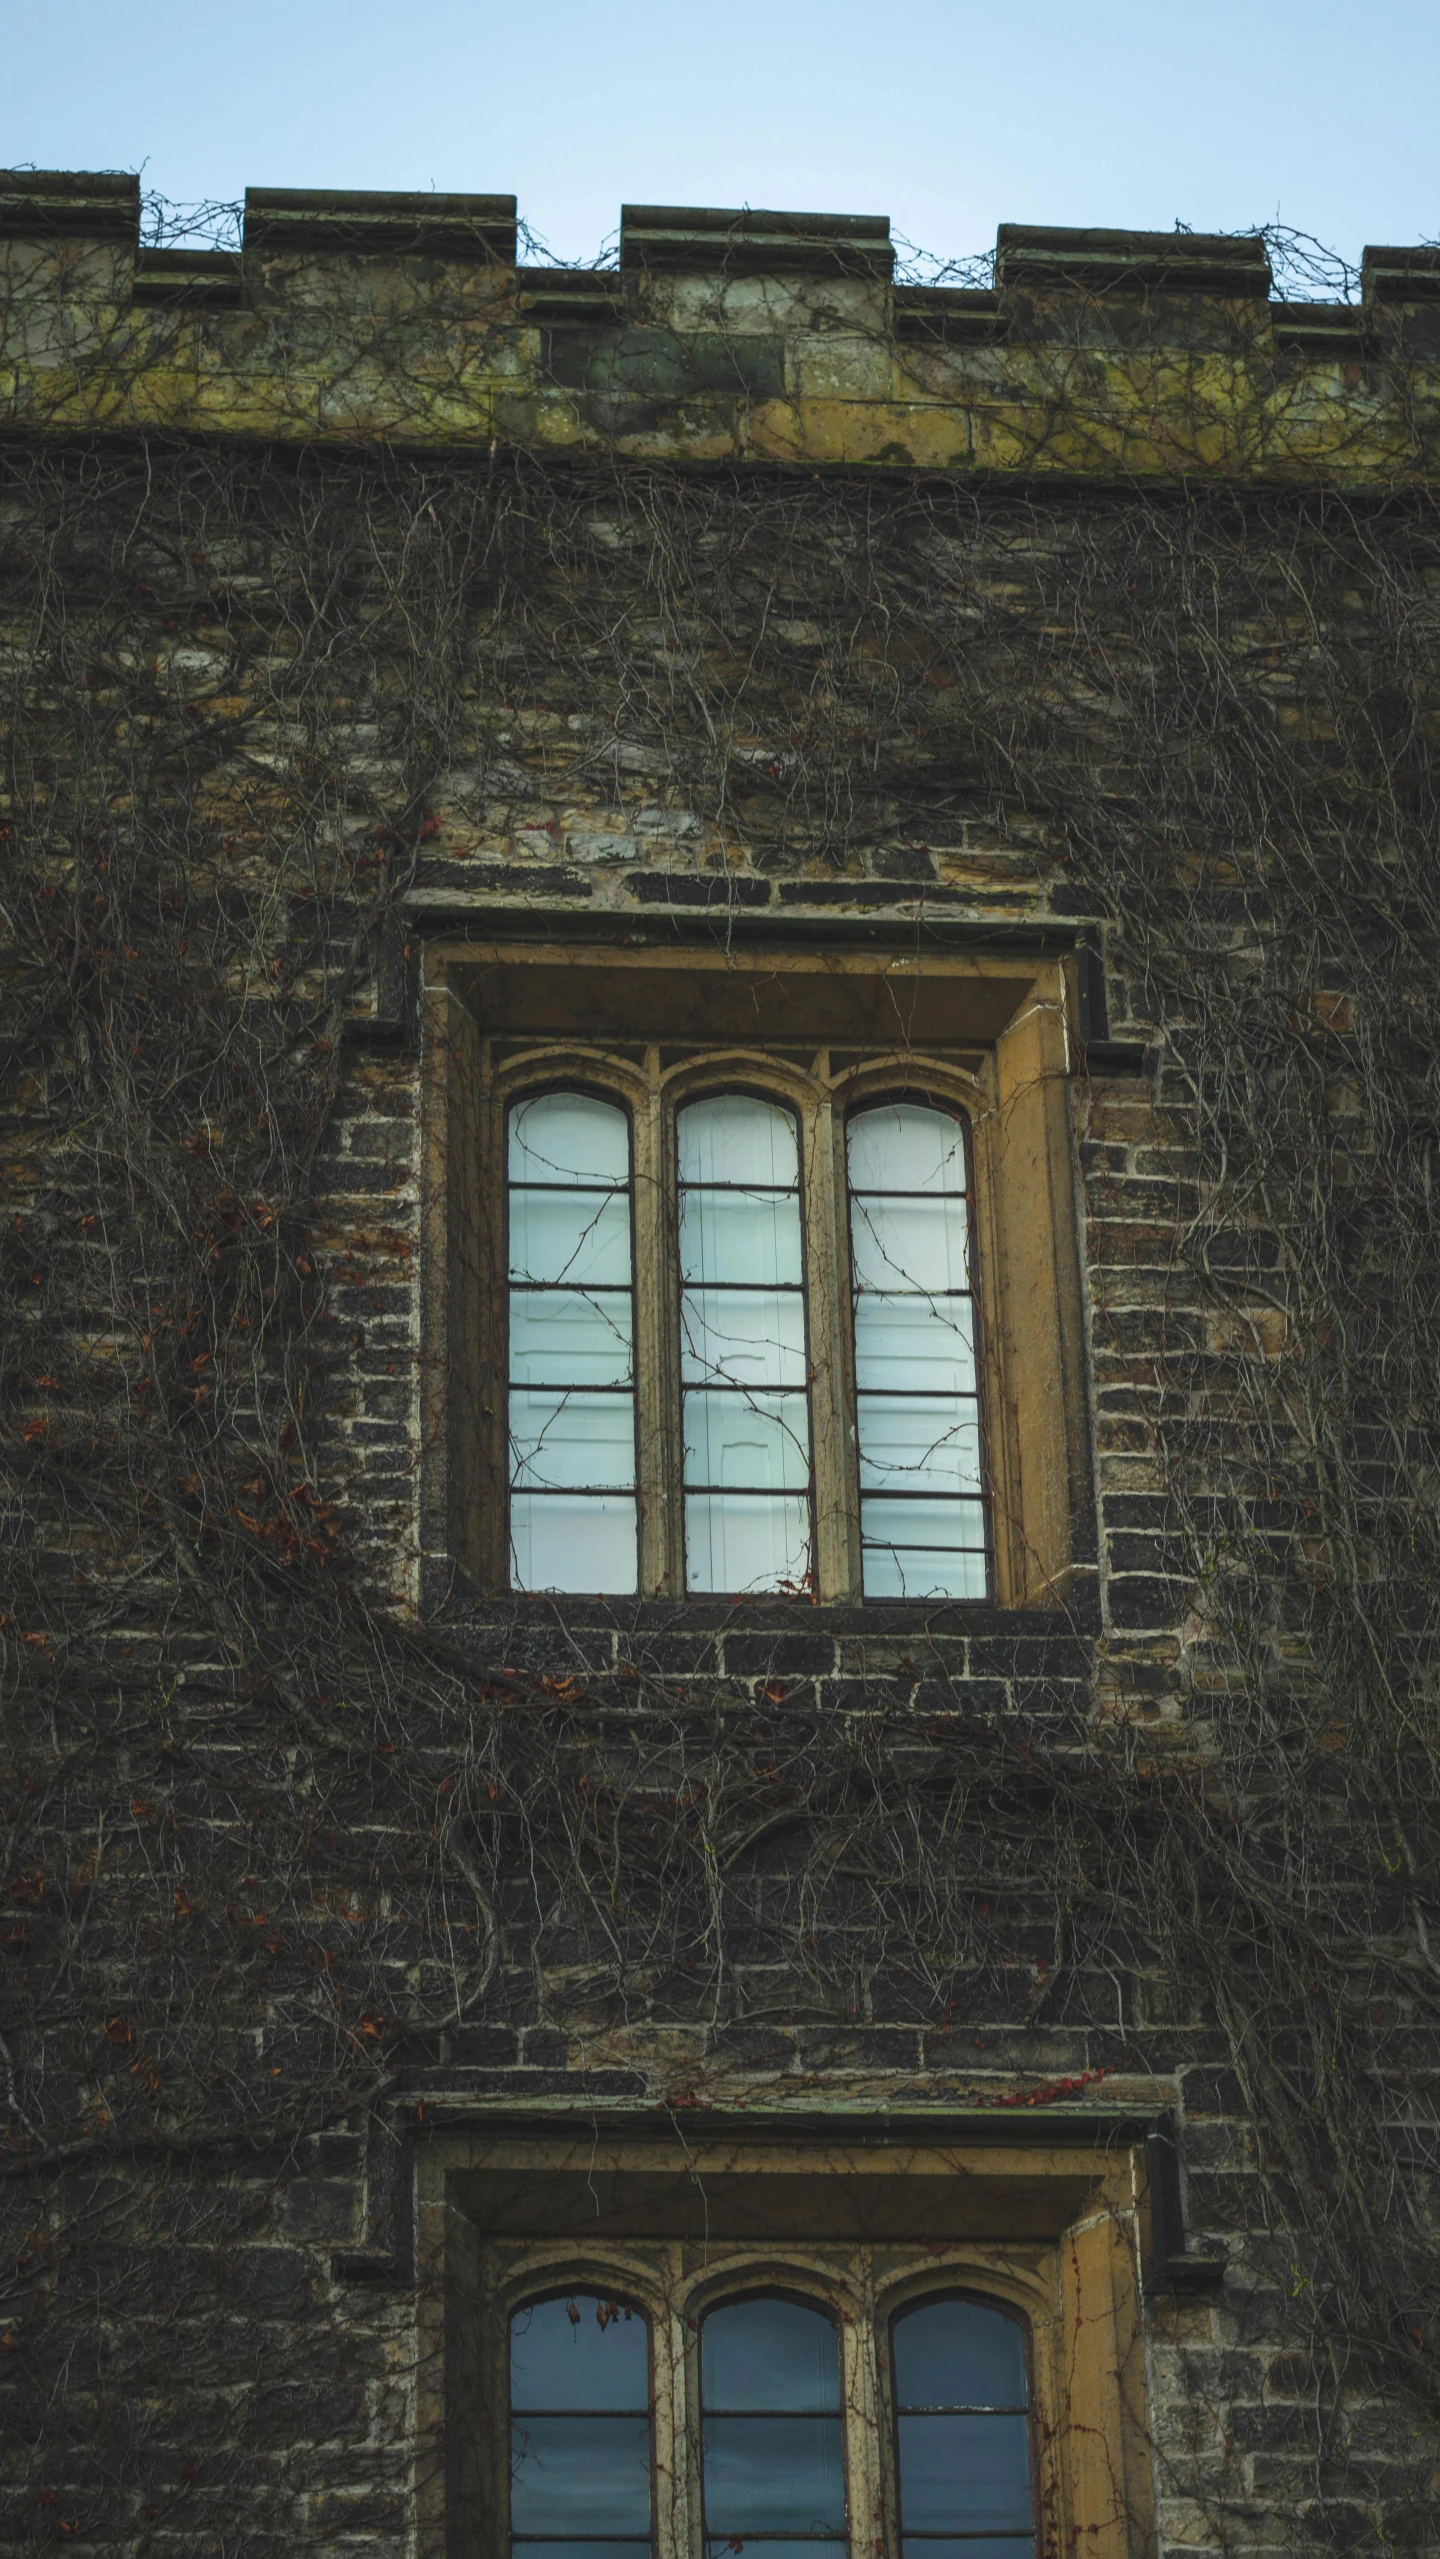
x,y
743,1347
580,2430
917,1407
571,1388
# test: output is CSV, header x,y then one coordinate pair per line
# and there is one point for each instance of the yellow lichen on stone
x,y
382,320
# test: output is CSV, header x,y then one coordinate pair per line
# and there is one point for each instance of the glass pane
x,y
965,2474
890,1522
905,1146
730,1137
959,2354
769,2354
582,2352
776,2474
575,2475
571,1439
989,2545
746,1541
902,1244
751,1439
586,2549
768,2547
754,1336
899,1572
580,1236
573,1541
561,1337
919,1447
909,1342
741,1235
569,1137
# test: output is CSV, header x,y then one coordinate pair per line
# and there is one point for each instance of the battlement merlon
x,y
719,337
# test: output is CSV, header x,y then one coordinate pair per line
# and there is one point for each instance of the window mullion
x,y
837,1534
493,1508
676,2486
657,1378
865,2498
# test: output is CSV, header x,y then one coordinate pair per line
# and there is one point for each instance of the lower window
x,y
863,2348
771,2424
794,2419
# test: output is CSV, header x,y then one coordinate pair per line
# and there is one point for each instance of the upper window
x,y
803,1318
742,1340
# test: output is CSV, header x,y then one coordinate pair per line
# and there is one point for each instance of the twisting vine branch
x,y
267,1838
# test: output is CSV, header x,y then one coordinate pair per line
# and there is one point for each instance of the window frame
x,y
501,1382
999,1051
560,2291
694,2414
676,1294
838,2278
822,1103
1036,2419
986,1387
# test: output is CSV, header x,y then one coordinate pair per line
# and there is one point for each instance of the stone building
x,y
721,1302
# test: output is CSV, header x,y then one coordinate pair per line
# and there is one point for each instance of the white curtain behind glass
x,y
571,1358
922,1517
742,1348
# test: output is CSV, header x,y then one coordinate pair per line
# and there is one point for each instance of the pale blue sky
x,y
948,116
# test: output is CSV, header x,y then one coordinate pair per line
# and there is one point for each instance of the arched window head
x,y
917,1407
571,1386
743,1362
773,2444
581,2484
962,2427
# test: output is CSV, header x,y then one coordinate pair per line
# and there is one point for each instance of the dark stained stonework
x,y
349,685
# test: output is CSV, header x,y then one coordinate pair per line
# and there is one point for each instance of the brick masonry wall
x,y
547,808
1243,2457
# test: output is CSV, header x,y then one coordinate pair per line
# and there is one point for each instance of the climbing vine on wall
x,y
266,1836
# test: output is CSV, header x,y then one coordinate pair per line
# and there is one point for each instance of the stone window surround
x,y
991,1026
1055,2229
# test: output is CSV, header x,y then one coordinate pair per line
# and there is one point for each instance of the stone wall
x,y
719,336
359,700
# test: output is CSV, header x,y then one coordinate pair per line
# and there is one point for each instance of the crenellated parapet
x,y
717,337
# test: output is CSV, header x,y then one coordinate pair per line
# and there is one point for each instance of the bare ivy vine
x,y
266,1838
